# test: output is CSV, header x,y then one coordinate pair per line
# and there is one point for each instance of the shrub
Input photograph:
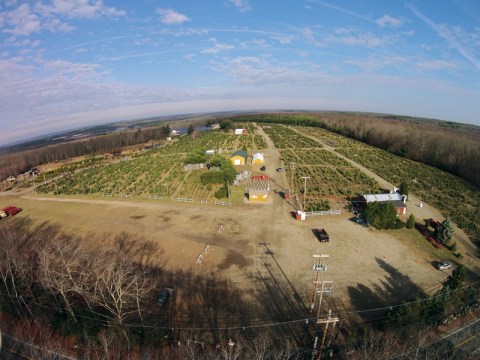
x,y
454,247
221,193
411,221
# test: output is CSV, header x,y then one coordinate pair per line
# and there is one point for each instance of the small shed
x,y
239,157
240,131
258,189
258,195
400,207
257,158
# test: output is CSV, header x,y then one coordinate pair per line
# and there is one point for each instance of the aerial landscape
x,y
239,180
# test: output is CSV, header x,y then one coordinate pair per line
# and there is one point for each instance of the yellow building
x,y
239,157
258,195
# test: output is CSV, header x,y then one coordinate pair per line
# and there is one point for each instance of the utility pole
x,y
324,289
319,267
305,190
329,319
292,167
321,291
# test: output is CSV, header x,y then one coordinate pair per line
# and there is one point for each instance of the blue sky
x,y
71,63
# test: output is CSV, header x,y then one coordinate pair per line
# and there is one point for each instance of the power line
x,y
108,322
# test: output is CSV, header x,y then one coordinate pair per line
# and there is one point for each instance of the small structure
x,y
242,176
397,200
239,157
189,167
210,152
258,189
257,158
240,131
33,172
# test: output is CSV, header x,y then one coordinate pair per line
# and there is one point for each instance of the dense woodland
x,y
20,162
451,147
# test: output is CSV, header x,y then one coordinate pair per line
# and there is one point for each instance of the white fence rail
x,y
223,203
326,212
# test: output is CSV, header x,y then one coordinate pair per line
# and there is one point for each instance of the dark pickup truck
x,y
321,235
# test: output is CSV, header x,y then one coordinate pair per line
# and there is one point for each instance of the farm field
x,y
457,199
329,176
261,249
156,172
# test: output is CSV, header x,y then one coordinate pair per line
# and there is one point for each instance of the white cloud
x,y
171,17
286,39
366,39
430,65
85,9
241,5
388,20
25,20
20,21
217,47
375,62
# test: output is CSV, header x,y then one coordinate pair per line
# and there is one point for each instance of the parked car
x,y
163,297
280,169
443,265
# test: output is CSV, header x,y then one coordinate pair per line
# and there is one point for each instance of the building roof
x,y
398,204
241,153
257,156
239,131
382,197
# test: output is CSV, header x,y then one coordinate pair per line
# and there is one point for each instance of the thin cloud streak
x,y
343,10
451,40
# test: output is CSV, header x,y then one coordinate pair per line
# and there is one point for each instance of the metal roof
x,y
382,197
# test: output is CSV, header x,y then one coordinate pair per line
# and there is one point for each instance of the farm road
x,y
424,212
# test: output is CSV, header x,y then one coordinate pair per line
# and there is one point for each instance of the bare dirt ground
x,y
260,246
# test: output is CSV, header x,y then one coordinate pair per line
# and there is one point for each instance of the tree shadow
x,y
372,303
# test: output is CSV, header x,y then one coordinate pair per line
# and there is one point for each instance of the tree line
x,y
452,149
12,164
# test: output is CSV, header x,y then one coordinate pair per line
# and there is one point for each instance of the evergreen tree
x,y
403,188
444,232
381,215
190,130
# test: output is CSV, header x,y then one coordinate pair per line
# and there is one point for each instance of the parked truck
x,y
321,235
11,210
